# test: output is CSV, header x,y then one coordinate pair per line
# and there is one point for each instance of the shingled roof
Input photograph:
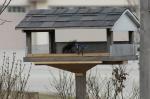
x,y
71,17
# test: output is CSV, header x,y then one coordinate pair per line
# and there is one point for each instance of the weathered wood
x,y
109,39
29,42
68,62
145,50
122,50
76,64
80,86
52,44
34,31
72,55
79,58
131,37
75,68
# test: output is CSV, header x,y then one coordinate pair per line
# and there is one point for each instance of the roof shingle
x,y
70,17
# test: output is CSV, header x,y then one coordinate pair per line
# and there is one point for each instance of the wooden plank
x,y
48,28
79,63
72,55
123,49
75,68
29,42
69,62
34,31
81,58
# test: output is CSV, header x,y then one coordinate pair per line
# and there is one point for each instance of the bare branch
x,y
4,6
64,85
13,81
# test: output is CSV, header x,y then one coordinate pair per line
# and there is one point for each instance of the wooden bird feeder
x,y
78,57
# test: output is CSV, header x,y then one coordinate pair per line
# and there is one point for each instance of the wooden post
x,y
109,39
29,42
131,37
80,85
145,50
52,44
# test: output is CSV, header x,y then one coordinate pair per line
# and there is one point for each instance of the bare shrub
x,y
13,80
98,87
119,77
4,5
110,88
64,84
135,92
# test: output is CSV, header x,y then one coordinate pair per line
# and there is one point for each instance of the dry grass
x,y
46,96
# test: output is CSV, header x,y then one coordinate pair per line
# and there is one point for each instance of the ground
x,y
46,96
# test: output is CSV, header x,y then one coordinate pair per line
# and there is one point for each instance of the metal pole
x,y
145,50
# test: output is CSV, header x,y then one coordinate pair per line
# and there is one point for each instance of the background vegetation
x,y
97,87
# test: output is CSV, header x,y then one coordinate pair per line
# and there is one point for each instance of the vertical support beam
x,y
145,50
29,42
131,37
109,39
52,43
80,85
